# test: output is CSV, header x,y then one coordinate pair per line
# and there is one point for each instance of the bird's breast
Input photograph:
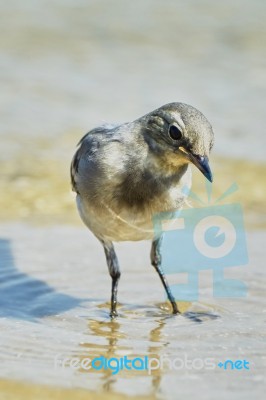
x,y
125,211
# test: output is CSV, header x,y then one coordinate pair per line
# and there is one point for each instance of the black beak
x,y
202,163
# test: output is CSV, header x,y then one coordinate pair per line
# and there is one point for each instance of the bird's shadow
x,y
25,297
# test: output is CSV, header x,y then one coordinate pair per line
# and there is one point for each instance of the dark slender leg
x,y
114,272
156,262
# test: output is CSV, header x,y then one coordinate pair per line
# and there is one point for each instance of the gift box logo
x,y
210,237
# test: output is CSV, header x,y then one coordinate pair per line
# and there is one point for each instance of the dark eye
x,y
174,132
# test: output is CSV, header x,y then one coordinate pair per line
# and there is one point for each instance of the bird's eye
x,y
174,132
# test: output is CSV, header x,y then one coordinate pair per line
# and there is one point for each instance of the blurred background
x,y
67,66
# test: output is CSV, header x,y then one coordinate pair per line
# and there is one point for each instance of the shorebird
x,y
125,174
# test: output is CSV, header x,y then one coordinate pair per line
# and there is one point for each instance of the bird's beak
x,y
201,162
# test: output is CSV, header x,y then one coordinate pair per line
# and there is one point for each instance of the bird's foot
x,y
113,314
175,308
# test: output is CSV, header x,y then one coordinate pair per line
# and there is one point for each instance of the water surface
x,y
54,293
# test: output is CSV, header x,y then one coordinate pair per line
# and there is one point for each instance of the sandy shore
x,y
23,391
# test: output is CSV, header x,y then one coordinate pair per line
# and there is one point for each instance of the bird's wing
x,y
82,148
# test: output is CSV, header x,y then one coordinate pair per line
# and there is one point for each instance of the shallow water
x,y
54,292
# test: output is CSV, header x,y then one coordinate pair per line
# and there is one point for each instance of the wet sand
x,y
54,305
23,391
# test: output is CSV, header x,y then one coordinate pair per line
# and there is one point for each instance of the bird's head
x,y
180,134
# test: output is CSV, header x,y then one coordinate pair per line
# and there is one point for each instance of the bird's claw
x,y
175,309
113,314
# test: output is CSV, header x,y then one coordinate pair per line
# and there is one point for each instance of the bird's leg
x,y
114,272
156,262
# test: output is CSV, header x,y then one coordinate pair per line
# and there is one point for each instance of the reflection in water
x,y
155,351
118,344
111,331
116,341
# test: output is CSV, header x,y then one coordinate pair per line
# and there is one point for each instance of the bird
x,y
124,174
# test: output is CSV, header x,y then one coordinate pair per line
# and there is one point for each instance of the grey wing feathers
x,y
74,170
81,150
